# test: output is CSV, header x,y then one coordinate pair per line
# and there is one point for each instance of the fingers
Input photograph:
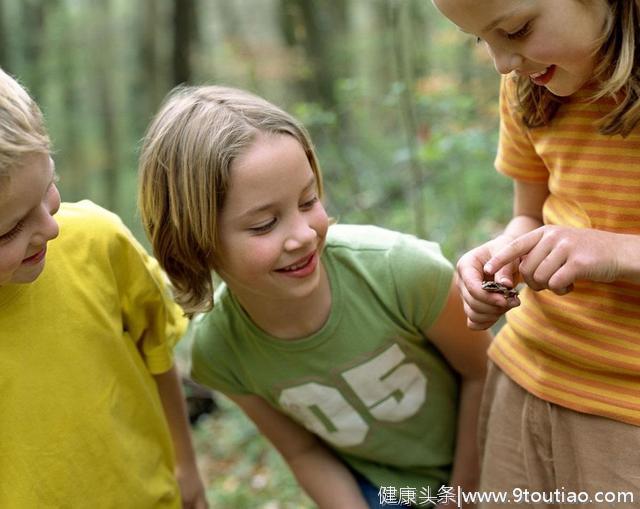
x,y
482,315
544,257
483,309
560,282
548,269
513,251
540,264
507,274
547,266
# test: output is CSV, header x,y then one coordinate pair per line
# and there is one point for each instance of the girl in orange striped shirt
x,y
562,403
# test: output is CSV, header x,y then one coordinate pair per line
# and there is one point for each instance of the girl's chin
x,y
566,88
562,91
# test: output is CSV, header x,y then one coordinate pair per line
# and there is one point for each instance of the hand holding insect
x,y
554,257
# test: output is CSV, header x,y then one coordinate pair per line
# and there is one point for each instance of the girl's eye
x,y
264,228
12,233
478,40
310,203
518,34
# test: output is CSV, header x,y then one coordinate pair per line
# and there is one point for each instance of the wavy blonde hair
x,y
618,71
184,173
22,129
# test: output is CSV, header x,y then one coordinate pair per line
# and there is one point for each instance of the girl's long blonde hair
x,y
184,173
618,71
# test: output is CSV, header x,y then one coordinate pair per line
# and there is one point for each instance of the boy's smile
x,y
36,258
27,205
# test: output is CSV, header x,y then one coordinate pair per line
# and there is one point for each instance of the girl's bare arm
x,y
466,352
321,474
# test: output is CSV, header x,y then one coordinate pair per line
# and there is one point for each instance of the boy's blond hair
x,y
184,170
22,129
618,72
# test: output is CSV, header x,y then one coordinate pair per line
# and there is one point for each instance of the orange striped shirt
x,y
581,350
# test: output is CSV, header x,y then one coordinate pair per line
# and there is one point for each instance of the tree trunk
x,y
4,40
33,20
403,44
150,82
317,33
183,36
106,107
71,151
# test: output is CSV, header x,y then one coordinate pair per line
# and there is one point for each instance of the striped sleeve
x,y
517,156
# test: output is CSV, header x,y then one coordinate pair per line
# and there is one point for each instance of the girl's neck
x,y
293,319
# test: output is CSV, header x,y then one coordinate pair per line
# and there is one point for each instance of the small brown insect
x,y
493,287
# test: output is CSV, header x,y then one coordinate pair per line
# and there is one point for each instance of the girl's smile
x,y
543,77
301,268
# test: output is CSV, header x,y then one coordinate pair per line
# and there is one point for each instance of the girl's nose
x,y
300,235
505,61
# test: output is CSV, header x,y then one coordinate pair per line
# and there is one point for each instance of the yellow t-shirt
x,y
81,420
581,350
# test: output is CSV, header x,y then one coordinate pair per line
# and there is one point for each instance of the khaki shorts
x,y
541,455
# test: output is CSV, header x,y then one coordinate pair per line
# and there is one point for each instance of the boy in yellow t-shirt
x,y
90,399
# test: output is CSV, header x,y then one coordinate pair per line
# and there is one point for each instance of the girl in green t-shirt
x,y
346,345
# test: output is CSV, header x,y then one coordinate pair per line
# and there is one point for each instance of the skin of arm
x,y
466,352
482,308
320,473
191,485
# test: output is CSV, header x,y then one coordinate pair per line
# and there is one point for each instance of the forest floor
x,y
240,468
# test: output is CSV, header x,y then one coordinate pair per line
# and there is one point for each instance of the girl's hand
x,y
554,257
482,308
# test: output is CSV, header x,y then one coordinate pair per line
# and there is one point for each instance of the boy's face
x,y
553,42
27,204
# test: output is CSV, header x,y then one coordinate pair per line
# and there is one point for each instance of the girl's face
x,y
553,42
272,227
27,206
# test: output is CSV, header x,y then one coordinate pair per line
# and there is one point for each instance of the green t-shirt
x,y
368,382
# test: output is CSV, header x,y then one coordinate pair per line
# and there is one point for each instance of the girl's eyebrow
x,y
310,184
500,19
266,206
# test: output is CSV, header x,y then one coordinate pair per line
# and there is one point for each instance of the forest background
x,y
402,108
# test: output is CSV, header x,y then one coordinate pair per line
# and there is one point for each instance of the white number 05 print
x,y
390,390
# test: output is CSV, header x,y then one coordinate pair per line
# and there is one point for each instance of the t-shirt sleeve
x,y
422,278
150,315
516,156
212,361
